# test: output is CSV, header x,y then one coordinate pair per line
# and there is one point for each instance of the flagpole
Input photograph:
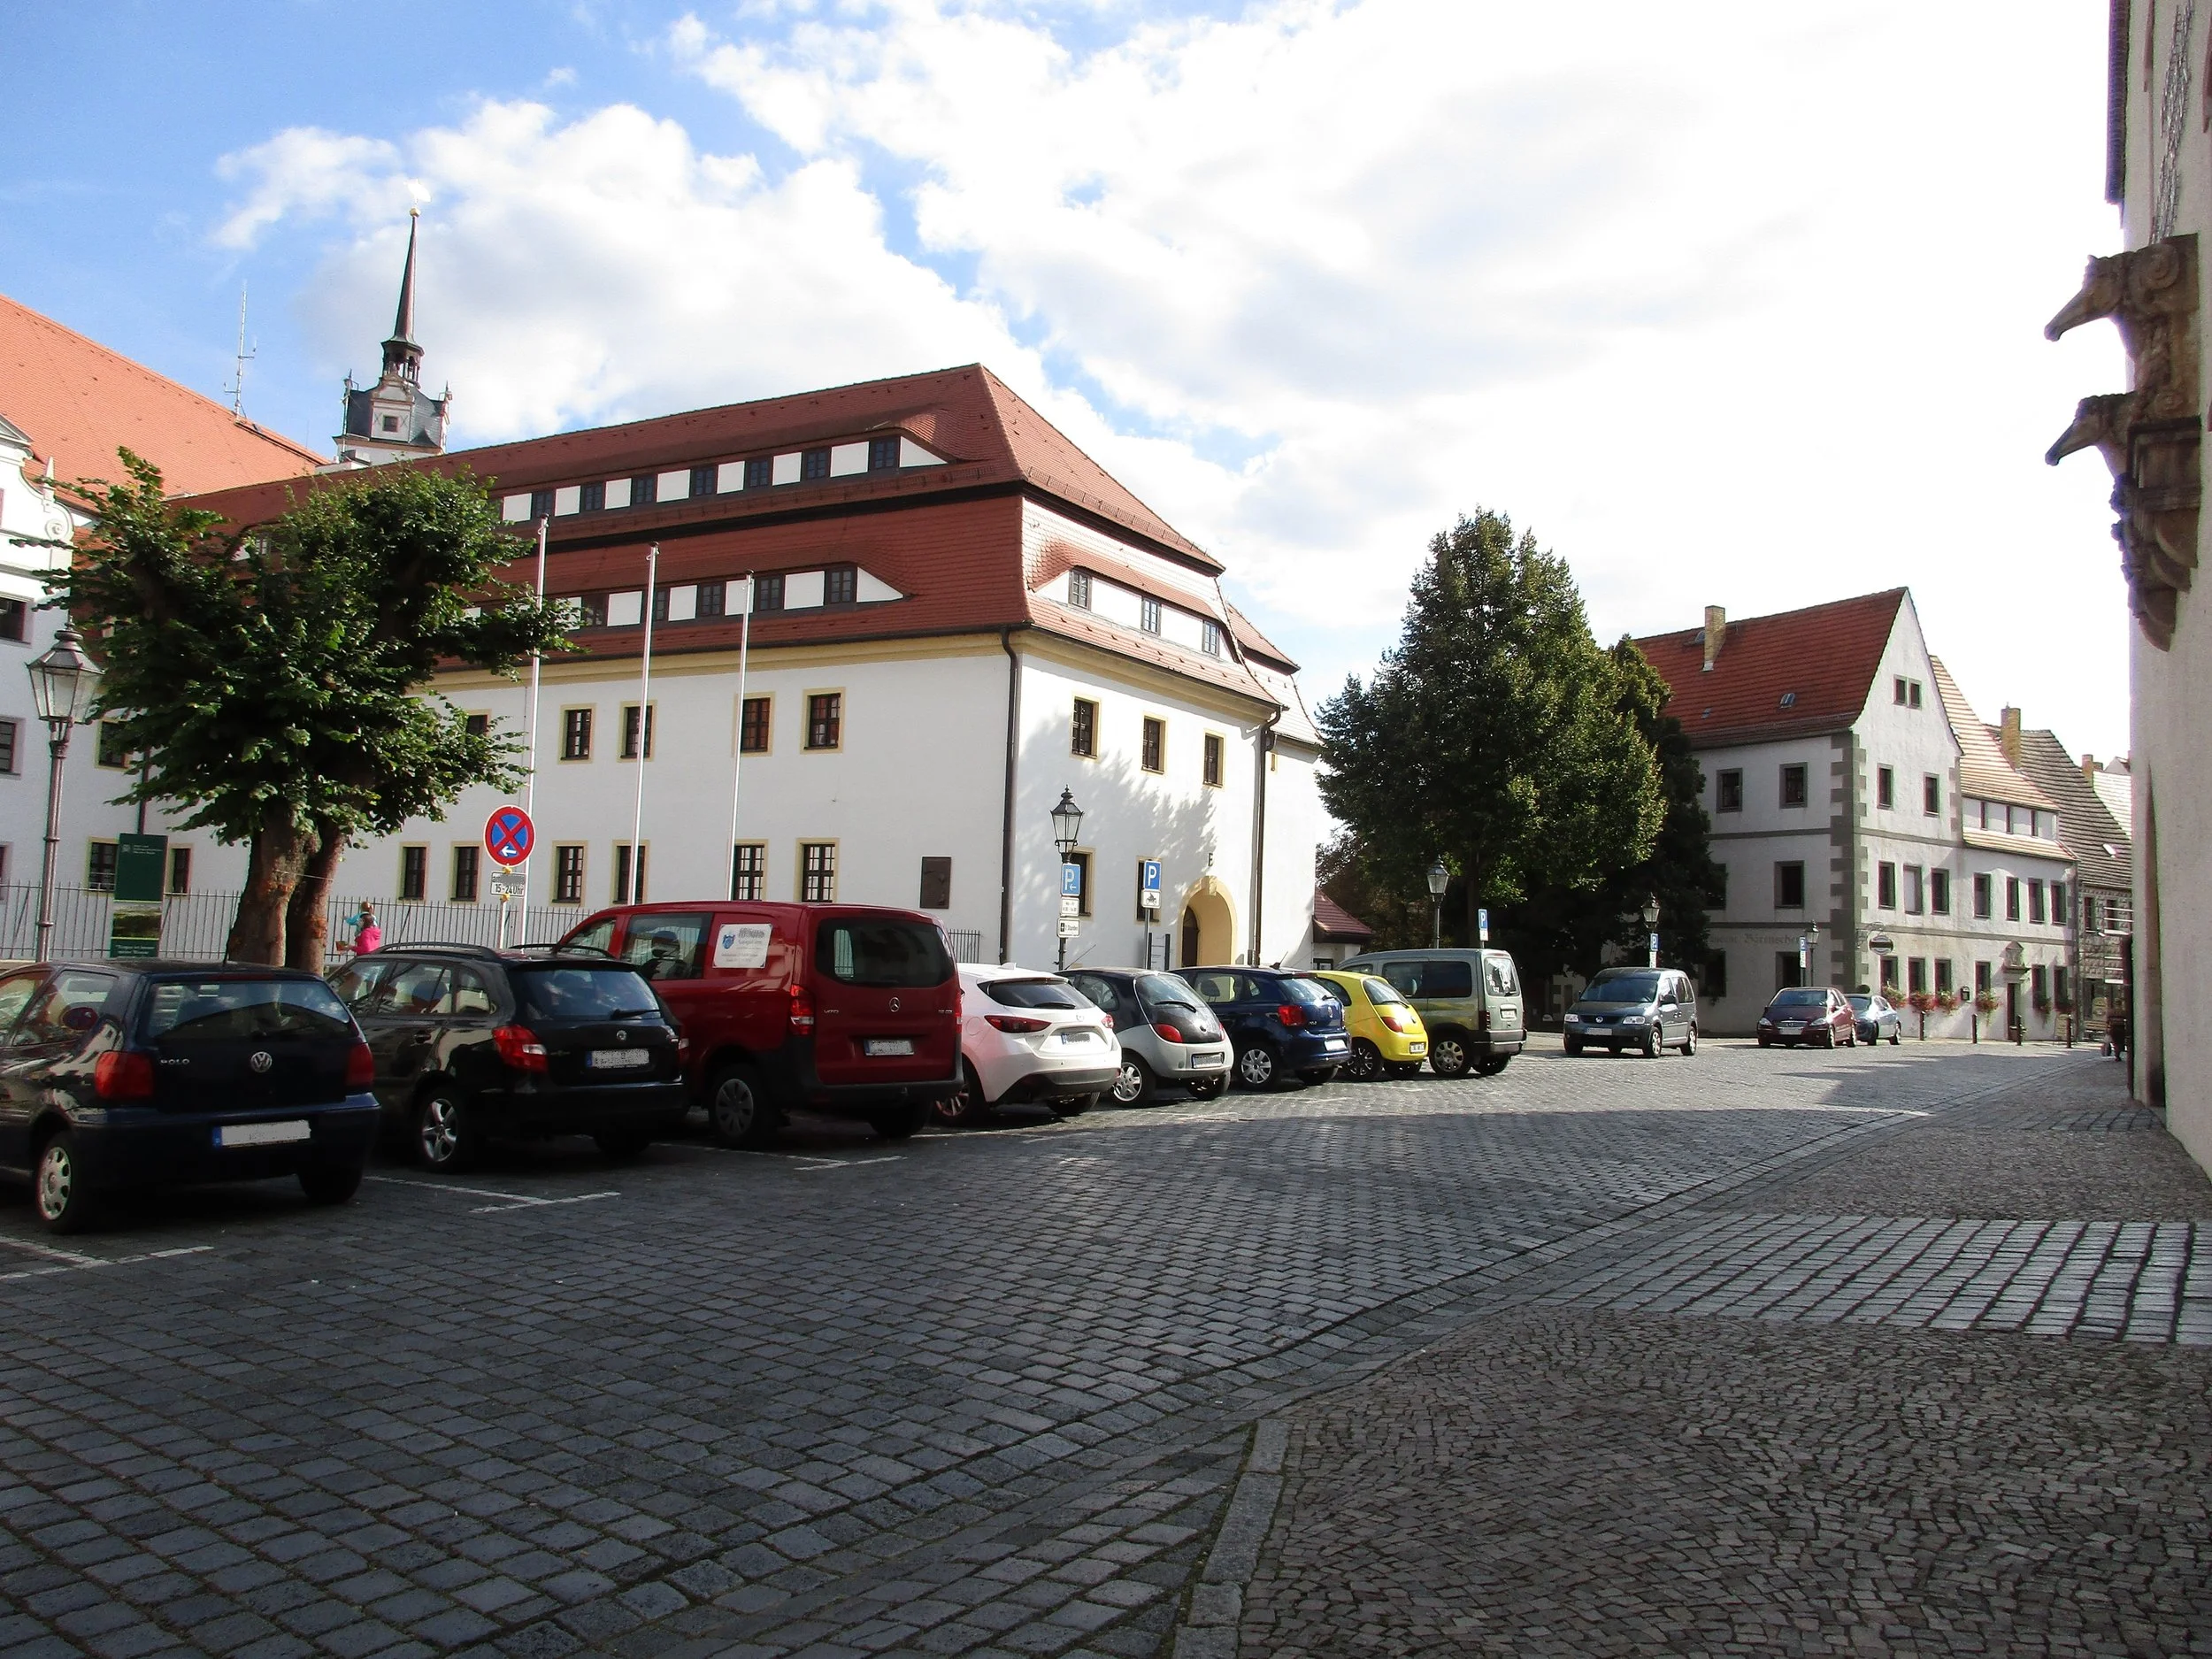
x,y
737,771
530,740
644,731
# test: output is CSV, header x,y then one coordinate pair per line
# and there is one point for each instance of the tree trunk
x,y
272,869
307,913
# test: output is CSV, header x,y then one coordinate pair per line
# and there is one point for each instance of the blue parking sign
x,y
1151,875
1070,881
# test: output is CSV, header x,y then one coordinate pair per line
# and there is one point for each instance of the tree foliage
x,y
1497,734
275,677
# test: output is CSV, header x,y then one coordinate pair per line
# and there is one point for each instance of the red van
x,y
844,1009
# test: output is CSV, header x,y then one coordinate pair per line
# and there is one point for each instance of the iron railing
x,y
967,943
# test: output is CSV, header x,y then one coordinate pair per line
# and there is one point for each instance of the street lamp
x,y
1808,948
1067,830
1651,926
1439,878
64,683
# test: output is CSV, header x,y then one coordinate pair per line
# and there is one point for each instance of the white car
x,y
1030,1036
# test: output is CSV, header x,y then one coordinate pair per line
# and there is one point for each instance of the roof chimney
x,y
2009,733
1716,630
2089,769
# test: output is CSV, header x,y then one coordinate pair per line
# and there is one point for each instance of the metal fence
x,y
196,926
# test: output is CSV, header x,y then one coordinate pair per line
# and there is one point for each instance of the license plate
x,y
1332,1042
1790,1030
1506,1017
1078,1036
261,1135
618,1059
888,1045
1417,1048
1212,1057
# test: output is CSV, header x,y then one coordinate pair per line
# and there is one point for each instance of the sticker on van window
x,y
741,944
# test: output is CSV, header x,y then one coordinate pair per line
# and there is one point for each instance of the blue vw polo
x,y
1281,1025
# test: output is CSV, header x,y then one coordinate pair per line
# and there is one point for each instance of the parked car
x,y
1814,1015
1281,1025
1876,1017
1029,1037
121,1075
472,1044
1470,1000
1650,1009
1167,1033
850,1009
1386,1033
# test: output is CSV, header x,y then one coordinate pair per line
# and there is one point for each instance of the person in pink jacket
x,y
367,935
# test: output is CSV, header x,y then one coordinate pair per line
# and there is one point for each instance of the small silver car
x,y
1168,1034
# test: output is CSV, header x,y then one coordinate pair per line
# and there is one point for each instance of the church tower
x,y
393,420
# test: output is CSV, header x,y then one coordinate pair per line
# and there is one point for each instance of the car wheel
x,y
621,1145
1689,1042
1366,1063
445,1134
1653,1049
1492,1064
738,1109
1572,1045
1207,1087
1448,1056
966,1108
1135,1085
1257,1067
899,1123
330,1183
1765,1043
1074,1106
58,1189
1896,1035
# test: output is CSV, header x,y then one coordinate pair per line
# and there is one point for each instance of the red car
x,y
1818,1016
844,1008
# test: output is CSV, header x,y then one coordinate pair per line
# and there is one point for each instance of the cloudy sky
x,y
1733,304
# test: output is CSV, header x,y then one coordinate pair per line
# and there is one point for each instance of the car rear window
x,y
219,1011
1312,992
1166,990
1499,971
884,952
1032,993
1432,978
569,991
1381,993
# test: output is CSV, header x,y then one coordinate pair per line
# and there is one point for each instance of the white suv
x,y
1029,1036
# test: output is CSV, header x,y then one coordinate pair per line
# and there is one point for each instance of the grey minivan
x,y
1469,1000
1649,1009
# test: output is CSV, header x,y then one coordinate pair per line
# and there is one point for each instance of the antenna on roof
x,y
238,385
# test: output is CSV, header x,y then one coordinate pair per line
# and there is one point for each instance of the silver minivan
x,y
1649,1009
1469,1000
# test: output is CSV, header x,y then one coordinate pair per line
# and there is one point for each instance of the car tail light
x,y
802,1009
1173,1034
1389,1019
120,1074
519,1048
1015,1023
1486,1020
1291,1013
360,1066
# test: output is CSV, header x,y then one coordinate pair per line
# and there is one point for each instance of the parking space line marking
x,y
852,1164
539,1204
70,1262
510,1201
807,1162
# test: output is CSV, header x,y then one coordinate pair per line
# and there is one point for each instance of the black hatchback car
x,y
117,1076
472,1043
1281,1025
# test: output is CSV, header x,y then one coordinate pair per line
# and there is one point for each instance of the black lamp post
x,y
1067,831
64,683
1651,926
1439,878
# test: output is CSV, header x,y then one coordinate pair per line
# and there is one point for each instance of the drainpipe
x,y
1013,747
1259,832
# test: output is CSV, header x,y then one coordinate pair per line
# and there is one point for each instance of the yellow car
x,y
1387,1035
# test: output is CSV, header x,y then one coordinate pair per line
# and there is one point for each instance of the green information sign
x,y
135,920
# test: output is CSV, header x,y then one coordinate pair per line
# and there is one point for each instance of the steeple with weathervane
x,y
393,420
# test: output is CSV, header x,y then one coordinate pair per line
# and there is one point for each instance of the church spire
x,y
392,420
402,355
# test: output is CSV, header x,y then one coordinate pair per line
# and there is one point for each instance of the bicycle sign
x,y
509,835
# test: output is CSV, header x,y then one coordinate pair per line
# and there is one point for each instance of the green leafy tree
x,y
275,678
1566,929
1494,735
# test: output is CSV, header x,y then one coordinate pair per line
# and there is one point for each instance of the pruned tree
x,y
277,678
1494,735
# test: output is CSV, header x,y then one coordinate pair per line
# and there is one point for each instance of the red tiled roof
x,y
1254,642
1824,658
1332,919
77,401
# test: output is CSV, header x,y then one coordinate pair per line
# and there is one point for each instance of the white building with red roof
x,y
957,616
1873,832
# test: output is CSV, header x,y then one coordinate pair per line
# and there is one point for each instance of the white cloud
x,y
1736,303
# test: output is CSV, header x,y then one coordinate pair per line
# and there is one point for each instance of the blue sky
x,y
1683,290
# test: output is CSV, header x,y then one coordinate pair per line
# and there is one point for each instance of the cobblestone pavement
x,y
1796,1417
983,1392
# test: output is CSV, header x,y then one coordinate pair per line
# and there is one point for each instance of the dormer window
x,y
1209,638
592,498
840,585
703,481
1149,616
646,490
814,465
883,455
1079,589
540,504
760,472
390,423
768,593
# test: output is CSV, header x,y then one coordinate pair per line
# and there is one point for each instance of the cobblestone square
x,y
998,1391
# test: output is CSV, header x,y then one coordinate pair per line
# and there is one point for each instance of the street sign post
x,y
1482,926
1067,928
1070,881
1148,885
509,835
1071,906
508,884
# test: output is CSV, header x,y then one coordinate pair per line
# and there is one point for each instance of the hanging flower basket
x,y
1987,1000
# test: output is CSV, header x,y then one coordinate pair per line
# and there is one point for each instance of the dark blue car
x,y
1281,1025
117,1076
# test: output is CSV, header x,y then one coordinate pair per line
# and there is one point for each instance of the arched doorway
x,y
1208,935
